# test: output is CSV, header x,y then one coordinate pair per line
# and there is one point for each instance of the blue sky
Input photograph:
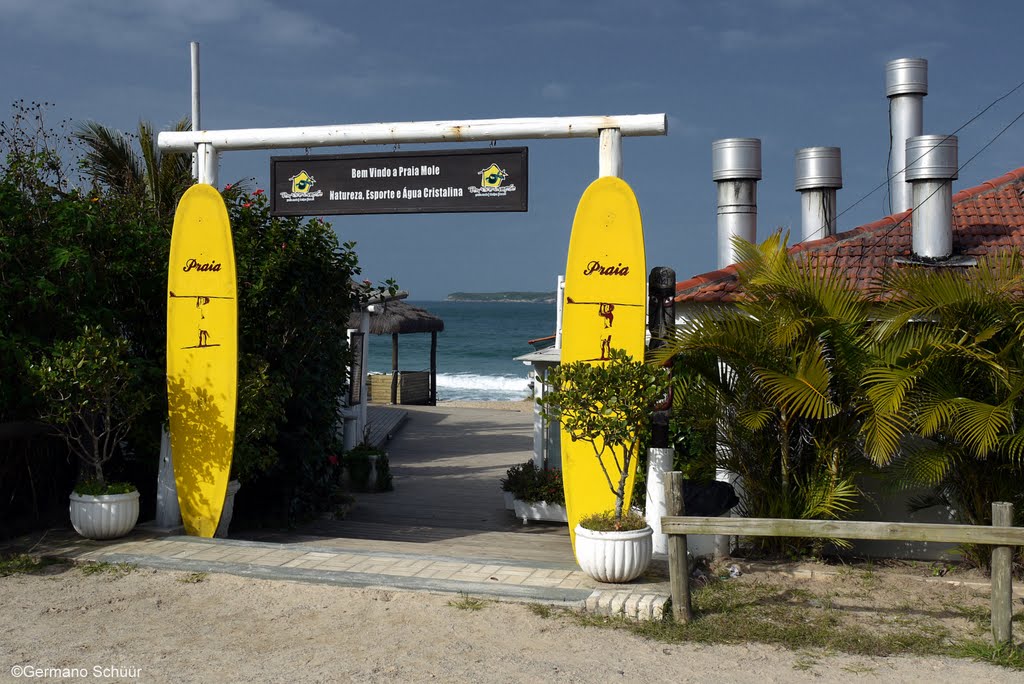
x,y
794,73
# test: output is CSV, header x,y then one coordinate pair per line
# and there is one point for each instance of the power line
x,y
909,163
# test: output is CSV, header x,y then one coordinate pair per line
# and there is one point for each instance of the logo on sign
x,y
302,186
302,182
492,176
491,179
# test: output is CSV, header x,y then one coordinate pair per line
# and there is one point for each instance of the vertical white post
x,y
207,163
195,103
659,462
364,327
559,305
610,156
168,514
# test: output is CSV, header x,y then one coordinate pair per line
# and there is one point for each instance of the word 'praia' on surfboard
x,y
605,309
202,356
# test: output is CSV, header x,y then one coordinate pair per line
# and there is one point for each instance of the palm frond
x,y
110,158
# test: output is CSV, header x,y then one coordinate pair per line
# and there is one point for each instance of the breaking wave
x,y
472,387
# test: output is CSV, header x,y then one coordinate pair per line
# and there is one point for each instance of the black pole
x,y
661,322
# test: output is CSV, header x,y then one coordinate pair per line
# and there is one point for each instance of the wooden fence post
x,y
678,564
1002,590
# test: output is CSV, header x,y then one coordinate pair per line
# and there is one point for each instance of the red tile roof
x,y
986,219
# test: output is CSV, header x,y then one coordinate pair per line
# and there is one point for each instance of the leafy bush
x,y
527,482
73,258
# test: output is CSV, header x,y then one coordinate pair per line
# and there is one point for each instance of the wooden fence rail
x,y
1002,535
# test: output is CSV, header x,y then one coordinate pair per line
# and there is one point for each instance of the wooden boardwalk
x,y
383,422
446,463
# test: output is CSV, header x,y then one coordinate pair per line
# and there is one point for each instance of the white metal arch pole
x,y
195,103
610,155
482,130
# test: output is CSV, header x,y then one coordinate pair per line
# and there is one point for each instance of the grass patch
x,y
193,578
467,602
728,612
114,570
22,564
1004,656
541,610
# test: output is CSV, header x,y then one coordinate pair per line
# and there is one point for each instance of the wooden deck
x,y
383,423
447,464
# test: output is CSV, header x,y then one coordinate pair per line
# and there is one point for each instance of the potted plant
x,y
92,394
535,493
608,405
368,469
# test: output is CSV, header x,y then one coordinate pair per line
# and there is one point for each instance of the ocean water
x,y
476,350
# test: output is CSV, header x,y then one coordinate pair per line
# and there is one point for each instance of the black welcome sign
x,y
436,181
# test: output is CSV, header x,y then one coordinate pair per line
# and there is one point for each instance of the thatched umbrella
x,y
396,318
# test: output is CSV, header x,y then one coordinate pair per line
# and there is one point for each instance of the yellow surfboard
x,y
605,309
202,356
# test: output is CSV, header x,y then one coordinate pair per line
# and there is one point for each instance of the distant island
x,y
503,297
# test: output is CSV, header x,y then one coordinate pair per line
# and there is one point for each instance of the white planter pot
x,y
510,499
539,510
614,557
104,517
229,509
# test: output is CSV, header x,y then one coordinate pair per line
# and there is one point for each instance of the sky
x,y
794,73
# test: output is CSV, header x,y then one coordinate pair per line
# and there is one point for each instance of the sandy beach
x,y
161,626
522,405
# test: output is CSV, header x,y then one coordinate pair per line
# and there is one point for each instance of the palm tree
x,y
782,367
952,375
157,179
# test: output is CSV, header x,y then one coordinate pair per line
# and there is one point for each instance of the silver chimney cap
x,y
736,159
906,76
932,157
818,167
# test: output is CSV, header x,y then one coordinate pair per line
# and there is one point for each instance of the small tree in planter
x,y
92,393
608,406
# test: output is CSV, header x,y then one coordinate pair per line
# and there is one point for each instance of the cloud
x,y
687,129
134,25
554,91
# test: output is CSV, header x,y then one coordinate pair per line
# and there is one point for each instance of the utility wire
x,y
909,163
959,168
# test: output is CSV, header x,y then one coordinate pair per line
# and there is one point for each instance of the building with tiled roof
x,y
986,219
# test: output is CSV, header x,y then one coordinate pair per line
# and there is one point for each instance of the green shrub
x,y
527,482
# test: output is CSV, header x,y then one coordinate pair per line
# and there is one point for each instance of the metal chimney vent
x,y
906,84
819,173
907,76
932,157
736,158
931,170
735,168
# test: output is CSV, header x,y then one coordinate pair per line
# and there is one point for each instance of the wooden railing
x,y
1002,535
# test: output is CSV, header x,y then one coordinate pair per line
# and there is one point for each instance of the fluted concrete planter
x,y
614,557
539,510
106,516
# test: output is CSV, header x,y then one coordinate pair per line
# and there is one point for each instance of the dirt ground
x,y
158,626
